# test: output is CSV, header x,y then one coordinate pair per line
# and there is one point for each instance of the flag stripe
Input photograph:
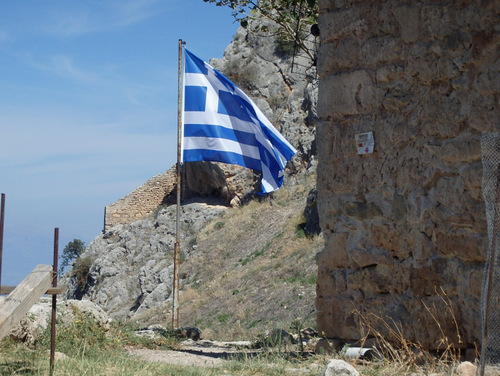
x,y
221,144
206,130
194,155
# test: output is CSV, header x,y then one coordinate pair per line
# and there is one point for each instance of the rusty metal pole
x,y
54,302
2,218
175,309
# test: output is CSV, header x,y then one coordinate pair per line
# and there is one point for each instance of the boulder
x,y
466,369
39,317
337,367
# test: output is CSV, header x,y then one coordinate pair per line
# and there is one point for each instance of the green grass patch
x,y
252,256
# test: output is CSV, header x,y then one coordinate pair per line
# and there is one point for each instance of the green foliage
x,y
289,15
83,336
81,269
71,252
223,318
91,348
284,45
218,225
192,242
254,255
302,279
299,231
241,74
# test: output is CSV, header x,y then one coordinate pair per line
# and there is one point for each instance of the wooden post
x,y
6,290
27,293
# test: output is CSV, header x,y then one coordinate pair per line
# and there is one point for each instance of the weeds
x,y
81,270
449,351
402,355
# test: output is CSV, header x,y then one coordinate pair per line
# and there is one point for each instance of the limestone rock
x,y
34,322
466,369
39,317
288,98
132,265
337,367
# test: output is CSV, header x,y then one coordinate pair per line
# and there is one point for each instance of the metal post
x,y
175,310
2,218
54,302
489,280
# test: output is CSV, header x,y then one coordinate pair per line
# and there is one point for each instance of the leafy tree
x,y
291,16
71,252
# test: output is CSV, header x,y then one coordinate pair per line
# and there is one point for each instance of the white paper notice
x,y
365,143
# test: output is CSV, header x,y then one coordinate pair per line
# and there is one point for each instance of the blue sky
x,y
88,110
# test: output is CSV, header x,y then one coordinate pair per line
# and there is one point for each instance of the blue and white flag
x,y
222,124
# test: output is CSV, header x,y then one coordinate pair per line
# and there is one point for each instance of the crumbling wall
x,y
404,227
142,201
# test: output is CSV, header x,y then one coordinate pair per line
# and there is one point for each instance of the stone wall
x,y
404,227
141,202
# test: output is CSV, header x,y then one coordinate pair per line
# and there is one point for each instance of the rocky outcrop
x,y
405,227
131,266
283,85
32,326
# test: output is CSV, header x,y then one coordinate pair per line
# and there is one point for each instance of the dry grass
x,y
404,357
251,269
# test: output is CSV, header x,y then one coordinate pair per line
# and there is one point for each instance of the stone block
x,y
336,319
362,210
330,280
408,18
380,50
335,254
341,24
388,73
349,94
344,56
464,246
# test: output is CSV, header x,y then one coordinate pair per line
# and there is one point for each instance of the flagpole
x,y
175,311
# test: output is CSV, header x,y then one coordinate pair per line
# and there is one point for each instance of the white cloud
x,y
79,19
64,66
50,141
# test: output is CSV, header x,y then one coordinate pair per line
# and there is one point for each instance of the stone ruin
x,y
404,226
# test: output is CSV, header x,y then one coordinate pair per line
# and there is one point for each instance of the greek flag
x,y
222,124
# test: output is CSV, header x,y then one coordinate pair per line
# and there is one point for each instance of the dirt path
x,y
200,353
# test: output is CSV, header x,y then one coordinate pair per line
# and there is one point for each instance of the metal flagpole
x,y
175,311
54,302
2,218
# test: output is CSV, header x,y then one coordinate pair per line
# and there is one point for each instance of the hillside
x,y
245,268
251,269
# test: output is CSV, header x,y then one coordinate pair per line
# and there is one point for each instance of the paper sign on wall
x,y
365,143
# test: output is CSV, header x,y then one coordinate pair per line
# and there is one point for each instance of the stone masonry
x,y
142,201
405,227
